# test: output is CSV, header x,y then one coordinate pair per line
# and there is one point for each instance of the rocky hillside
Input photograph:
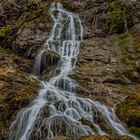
x,y
108,67
23,29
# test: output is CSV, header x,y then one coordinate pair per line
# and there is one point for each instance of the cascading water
x,y
58,110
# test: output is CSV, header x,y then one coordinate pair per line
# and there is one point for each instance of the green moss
x,y
117,13
4,30
2,51
129,48
60,1
26,20
28,17
2,33
135,131
124,45
133,100
31,16
25,24
126,138
45,15
136,40
7,5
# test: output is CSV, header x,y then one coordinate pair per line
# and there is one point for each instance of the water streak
x,y
57,109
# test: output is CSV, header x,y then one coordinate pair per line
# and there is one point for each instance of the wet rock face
x,y
49,62
99,66
104,17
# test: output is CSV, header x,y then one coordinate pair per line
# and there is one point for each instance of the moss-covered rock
x,y
126,138
129,53
135,131
129,112
95,138
48,65
26,28
3,31
117,14
2,51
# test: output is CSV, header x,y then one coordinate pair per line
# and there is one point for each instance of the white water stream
x,y
58,110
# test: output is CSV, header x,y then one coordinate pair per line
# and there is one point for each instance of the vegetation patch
x,y
117,13
25,24
4,30
135,131
2,51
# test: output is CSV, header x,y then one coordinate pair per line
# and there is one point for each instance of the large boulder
x,y
48,63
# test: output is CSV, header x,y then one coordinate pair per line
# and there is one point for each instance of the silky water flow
x,y
58,110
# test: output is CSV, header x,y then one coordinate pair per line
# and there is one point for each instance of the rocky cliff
x,y
108,67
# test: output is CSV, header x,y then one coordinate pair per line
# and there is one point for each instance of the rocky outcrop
x,y
17,87
109,65
110,73
49,61
105,17
24,29
99,66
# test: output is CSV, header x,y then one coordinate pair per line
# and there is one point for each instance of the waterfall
x,y
58,110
